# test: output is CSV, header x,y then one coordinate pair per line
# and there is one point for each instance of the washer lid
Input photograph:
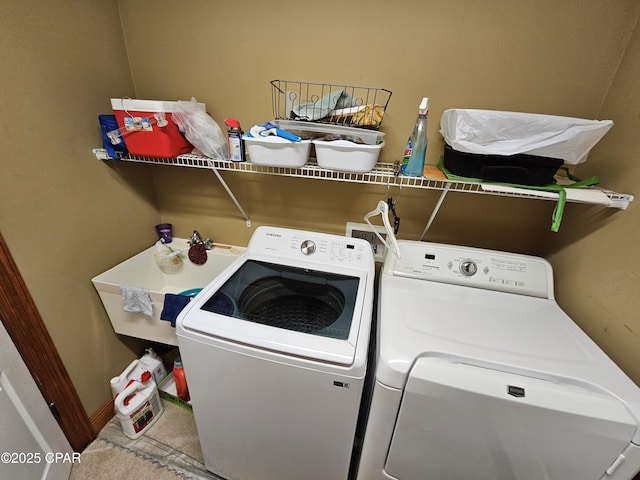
x,y
290,298
286,307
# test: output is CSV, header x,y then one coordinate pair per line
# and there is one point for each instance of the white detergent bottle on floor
x,y
133,371
152,362
418,141
138,406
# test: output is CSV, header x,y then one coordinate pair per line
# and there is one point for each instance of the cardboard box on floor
x,y
167,390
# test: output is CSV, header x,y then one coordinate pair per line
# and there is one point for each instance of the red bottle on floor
x,y
180,379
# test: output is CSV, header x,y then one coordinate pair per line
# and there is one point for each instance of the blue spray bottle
x,y
418,141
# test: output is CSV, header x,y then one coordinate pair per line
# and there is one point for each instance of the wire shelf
x,y
382,174
328,103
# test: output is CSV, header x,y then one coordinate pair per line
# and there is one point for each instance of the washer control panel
x,y
308,247
475,267
315,247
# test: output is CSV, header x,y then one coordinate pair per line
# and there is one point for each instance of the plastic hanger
x,y
383,210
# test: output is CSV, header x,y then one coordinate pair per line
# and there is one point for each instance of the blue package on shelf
x,y
108,123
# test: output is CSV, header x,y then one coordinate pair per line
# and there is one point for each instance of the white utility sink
x,y
142,270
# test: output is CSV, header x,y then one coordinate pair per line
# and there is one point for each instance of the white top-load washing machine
x,y
275,356
480,375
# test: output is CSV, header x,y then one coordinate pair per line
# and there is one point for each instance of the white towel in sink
x,y
136,300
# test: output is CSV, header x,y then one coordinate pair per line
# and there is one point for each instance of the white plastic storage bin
x,y
276,151
347,156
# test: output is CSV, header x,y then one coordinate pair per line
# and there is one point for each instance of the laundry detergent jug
x,y
138,406
136,400
150,362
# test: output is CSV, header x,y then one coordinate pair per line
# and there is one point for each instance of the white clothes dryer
x,y
275,356
480,375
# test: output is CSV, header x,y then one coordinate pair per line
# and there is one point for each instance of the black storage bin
x,y
521,169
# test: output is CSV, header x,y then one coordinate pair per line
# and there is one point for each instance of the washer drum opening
x,y
291,304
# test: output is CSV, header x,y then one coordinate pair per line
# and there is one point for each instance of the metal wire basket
x,y
334,104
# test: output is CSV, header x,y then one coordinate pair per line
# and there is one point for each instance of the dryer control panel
x,y
474,267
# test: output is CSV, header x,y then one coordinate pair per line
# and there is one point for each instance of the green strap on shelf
x,y
558,211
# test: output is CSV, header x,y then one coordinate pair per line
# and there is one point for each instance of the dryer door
x,y
465,422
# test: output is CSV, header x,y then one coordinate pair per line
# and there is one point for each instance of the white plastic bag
x,y
200,129
491,132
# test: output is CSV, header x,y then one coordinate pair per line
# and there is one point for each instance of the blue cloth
x,y
173,305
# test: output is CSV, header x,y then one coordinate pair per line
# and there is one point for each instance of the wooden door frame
x,y
24,324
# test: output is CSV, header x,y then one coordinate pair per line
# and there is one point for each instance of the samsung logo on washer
x,y
269,234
